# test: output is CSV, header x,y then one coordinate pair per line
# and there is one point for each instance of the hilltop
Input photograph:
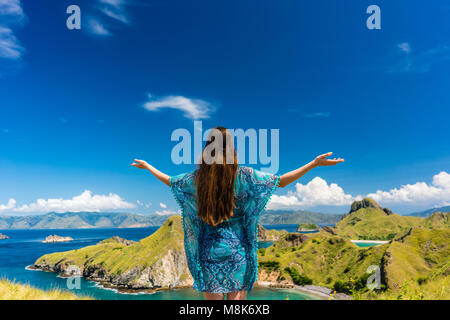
x,y
155,262
367,220
81,220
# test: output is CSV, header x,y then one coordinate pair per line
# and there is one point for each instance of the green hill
x,y
368,221
157,261
437,220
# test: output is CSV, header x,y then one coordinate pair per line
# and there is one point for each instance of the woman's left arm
x,y
141,164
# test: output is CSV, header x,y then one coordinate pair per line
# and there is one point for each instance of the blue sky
x,y
72,115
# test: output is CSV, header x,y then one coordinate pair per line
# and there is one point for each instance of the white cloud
x,y
97,28
163,205
419,61
10,205
167,212
192,108
317,192
318,115
437,193
405,47
11,13
86,201
11,9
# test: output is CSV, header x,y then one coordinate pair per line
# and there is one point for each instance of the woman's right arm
x,y
141,164
321,160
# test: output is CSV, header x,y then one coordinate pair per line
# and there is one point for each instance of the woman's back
x,y
222,258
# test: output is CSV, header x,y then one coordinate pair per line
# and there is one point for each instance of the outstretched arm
x,y
321,160
141,164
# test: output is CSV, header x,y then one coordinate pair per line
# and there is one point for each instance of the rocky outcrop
x,y
55,238
270,234
364,203
2,236
329,230
117,239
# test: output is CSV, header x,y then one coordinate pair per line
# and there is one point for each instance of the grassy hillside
x,y
324,258
437,220
368,221
415,265
156,261
15,291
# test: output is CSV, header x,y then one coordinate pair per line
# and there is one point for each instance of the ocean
x,y
24,247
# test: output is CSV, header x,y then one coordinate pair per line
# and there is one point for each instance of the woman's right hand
x,y
141,164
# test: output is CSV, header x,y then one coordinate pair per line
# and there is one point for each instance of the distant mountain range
x,y
429,212
81,220
298,216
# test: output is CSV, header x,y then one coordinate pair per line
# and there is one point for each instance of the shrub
x,y
269,265
298,279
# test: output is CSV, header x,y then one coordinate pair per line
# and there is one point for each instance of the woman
x,y
221,203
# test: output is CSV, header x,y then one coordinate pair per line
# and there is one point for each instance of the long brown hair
x,y
215,178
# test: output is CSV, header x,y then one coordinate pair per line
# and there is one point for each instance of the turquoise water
x,y
366,244
24,247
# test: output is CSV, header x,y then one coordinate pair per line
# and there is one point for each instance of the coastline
x,y
319,292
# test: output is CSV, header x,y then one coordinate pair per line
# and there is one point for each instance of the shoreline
x,y
323,293
370,241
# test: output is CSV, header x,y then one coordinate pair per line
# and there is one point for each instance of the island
x,y
3,236
55,238
307,227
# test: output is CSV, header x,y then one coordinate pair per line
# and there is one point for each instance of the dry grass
x,y
14,291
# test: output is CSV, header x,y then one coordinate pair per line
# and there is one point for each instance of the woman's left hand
x,y
323,161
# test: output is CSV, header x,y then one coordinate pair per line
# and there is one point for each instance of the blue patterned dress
x,y
224,258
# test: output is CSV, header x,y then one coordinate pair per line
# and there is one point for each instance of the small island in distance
x,y
307,227
55,238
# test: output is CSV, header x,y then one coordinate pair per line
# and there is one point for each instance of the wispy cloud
x,y
163,205
97,28
167,212
317,115
414,61
192,108
110,14
86,201
11,15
